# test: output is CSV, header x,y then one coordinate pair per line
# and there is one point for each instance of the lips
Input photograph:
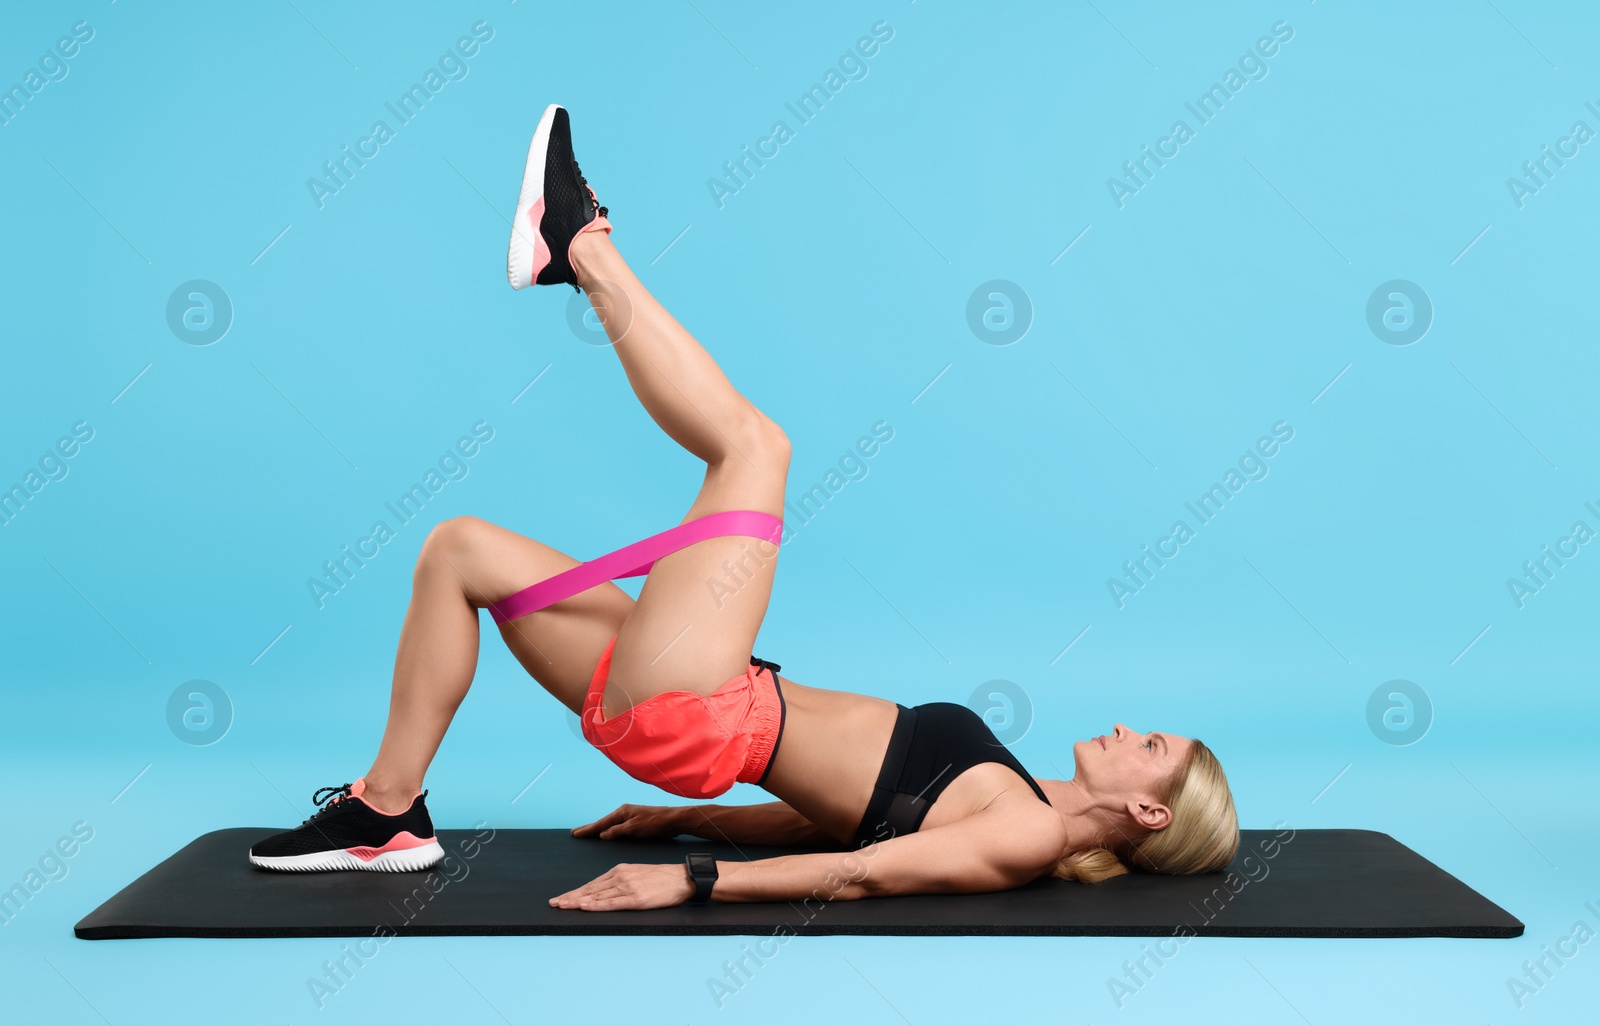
x,y
1102,739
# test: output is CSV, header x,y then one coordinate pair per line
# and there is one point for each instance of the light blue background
x,y
1225,296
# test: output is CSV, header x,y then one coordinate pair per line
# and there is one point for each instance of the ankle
x,y
388,799
588,253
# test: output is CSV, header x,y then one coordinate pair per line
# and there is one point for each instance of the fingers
x,y
590,829
607,889
604,881
611,904
620,814
626,828
584,898
623,887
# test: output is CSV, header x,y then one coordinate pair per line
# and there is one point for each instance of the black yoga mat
x,y
1308,883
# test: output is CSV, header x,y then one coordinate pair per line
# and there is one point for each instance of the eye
x,y
1150,745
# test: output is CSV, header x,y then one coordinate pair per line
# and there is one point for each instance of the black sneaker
x,y
555,205
347,833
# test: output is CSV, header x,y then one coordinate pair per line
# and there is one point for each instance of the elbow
x,y
867,881
816,837
877,887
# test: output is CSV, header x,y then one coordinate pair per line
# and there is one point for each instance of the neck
x,y
1091,823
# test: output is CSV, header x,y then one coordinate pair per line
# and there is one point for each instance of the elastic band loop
x,y
636,560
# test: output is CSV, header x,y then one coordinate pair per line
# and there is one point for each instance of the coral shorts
x,y
692,745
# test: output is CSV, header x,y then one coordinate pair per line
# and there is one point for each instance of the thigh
x,y
695,623
558,645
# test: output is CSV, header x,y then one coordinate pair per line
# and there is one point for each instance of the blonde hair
x,y
1201,838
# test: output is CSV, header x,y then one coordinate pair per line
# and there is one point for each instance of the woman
x,y
667,688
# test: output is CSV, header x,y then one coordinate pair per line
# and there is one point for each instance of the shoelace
x,y
332,796
592,201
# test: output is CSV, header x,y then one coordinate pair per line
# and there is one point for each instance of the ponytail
x,y
1089,866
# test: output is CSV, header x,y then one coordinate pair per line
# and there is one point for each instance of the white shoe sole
x,y
405,861
519,253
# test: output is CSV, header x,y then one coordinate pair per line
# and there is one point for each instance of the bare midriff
x,y
830,753
828,758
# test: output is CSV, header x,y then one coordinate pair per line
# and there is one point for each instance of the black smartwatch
x,y
703,872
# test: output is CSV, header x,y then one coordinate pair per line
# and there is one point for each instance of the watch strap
x,y
702,868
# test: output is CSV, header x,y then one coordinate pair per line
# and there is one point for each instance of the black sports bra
x,y
932,744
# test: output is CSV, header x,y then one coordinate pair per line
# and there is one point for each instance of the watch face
x,y
703,871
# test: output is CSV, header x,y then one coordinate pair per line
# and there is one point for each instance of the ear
x,y
1150,816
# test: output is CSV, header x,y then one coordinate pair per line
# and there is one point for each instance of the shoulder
x,y
1040,826
1029,835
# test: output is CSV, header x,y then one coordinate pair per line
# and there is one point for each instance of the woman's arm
x,y
769,823
992,850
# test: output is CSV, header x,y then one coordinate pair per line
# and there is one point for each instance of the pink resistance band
x,y
636,560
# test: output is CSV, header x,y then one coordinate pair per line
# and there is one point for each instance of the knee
x,y
761,438
453,541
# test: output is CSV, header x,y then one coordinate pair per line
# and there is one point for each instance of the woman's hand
x,y
641,822
631,887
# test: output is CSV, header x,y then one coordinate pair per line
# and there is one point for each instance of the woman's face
x,y
1129,766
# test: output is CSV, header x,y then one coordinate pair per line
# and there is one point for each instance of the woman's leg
x,y
465,564
698,612
700,608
